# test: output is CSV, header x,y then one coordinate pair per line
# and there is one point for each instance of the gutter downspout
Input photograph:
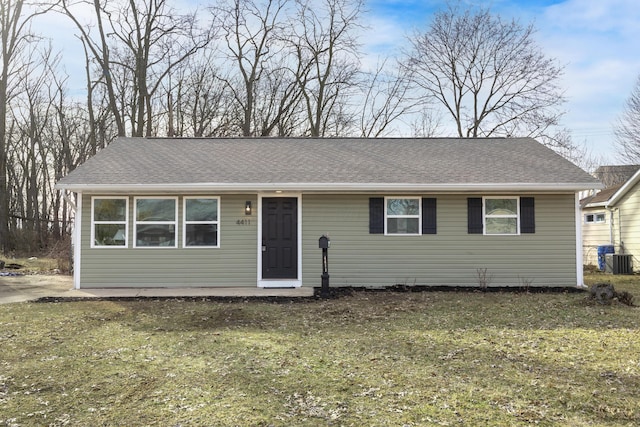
x,y
612,237
620,232
579,250
610,210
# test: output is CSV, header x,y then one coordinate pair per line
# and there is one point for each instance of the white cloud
x,y
598,41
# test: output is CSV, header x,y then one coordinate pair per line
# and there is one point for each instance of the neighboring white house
x,y
169,212
612,216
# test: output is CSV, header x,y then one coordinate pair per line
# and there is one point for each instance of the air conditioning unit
x,y
621,264
608,263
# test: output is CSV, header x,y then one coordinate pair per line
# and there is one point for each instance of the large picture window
x,y
501,215
109,218
156,222
201,216
402,215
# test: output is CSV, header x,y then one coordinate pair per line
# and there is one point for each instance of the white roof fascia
x,y
624,189
324,187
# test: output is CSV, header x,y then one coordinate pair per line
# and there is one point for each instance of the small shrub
x,y
484,278
60,251
525,283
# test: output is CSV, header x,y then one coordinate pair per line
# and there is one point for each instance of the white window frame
x,y
185,222
485,216
595,217
387,217
94,222
135,221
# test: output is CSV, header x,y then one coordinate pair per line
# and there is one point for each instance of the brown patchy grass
x,y
33,265
629,283
370,358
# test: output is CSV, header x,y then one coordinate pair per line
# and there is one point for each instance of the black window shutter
x,y
428,215
376,215
474,215
527,215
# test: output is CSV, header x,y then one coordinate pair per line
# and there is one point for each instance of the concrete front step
x,y
187,292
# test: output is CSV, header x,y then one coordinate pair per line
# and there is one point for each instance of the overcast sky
x,y
598,42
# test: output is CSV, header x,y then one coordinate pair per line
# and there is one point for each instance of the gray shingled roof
x,y
601,196
302,163
615,175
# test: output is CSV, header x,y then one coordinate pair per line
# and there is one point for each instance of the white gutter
x,y
326,187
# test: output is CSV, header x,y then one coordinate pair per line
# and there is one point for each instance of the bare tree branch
x,y
627,129
488,74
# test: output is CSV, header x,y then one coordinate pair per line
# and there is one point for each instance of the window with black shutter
x,y
501,215
429,218
402,215
527,215
376,215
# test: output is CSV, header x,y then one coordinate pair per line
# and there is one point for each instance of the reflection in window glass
x,y
502,225
402,215
402,226
109,209
155,210
501,206
501,216
403,206
155,222
109,221
201,209
201,222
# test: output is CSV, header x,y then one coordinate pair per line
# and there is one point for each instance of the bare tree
x,y
100,52
137,45
249,31
627,129
488,74
428,123
34,137
262,82
208,101
387,97
14,35
328,60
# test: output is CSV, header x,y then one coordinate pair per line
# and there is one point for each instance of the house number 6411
x,y
243,222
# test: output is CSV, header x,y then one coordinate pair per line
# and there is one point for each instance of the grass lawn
x,y
366,359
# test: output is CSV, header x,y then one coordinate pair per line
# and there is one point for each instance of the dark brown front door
x,y
280,238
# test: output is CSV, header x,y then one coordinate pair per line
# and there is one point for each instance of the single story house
x,y
169,212
611,217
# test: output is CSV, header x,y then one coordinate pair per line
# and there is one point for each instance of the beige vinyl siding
x,y
594,235
449,258
234,263
628,225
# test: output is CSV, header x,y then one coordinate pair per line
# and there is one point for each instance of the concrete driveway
x,y
33,286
